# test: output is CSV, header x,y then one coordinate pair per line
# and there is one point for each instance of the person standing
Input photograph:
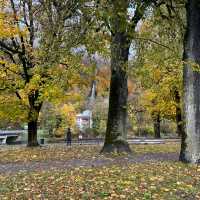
x,y
69,137
80,137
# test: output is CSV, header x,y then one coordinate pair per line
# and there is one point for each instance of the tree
x,y
159,67
122,26
33,58
190,147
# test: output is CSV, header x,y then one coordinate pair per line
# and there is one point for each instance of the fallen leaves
x,y
139,181
135,181
62,152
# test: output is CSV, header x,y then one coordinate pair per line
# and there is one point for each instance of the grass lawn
x,y
142,181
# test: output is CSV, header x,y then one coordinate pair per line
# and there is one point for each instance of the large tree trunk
x,y
190,149
156,123
122,30
117,115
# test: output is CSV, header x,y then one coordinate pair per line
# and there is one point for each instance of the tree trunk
x,y
156,123
190,148
32,133
179,121
117,116
33,119
115,139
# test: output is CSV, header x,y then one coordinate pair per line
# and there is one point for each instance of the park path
x,y
12,168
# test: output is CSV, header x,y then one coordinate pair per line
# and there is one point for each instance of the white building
x,y
84,120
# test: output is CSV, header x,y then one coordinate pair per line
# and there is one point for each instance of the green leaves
x,y
159,69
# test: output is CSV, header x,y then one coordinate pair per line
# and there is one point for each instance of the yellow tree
x,y
160,70
36,63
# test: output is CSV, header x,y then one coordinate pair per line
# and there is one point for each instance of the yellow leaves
x,y
9,22
160,70
122,196
69,114
2,62
12,109
8,26
76,96
54,74
166,189
3,4
144,29
157,74
7,30
9,68
157,178
198,170
34,84
159,82
149,95
148,180
178,183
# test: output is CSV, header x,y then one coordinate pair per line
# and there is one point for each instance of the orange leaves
x,y
103,78
131,87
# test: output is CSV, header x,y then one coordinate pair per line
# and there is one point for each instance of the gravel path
x,y
74,163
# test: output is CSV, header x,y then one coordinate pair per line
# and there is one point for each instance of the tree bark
x,y
32,133
156,120
190,148
115,140
33,119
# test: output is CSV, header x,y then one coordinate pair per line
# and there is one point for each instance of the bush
x,y
167,127
145,131
92,132
59,132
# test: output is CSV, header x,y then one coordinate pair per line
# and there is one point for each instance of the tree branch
x,y
18,95
9,54
153,41
3,45
31,24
